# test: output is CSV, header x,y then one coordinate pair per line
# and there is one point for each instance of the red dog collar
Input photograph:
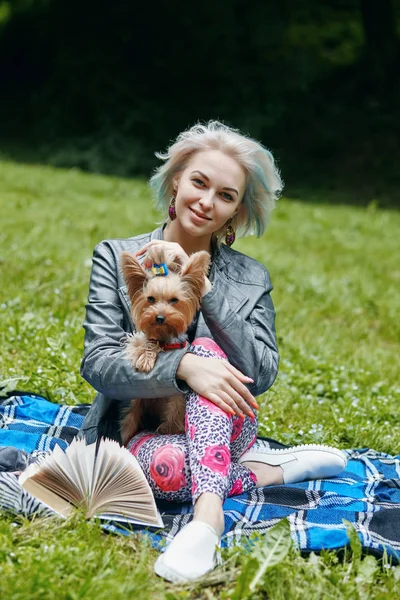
x,y
173,346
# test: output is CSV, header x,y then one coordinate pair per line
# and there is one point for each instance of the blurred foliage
x,y
102,86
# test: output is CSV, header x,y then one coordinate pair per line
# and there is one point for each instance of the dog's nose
x,y
160,319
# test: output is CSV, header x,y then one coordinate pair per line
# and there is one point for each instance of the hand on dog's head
x,y
159,255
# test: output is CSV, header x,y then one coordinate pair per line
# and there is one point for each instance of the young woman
x,y
214,184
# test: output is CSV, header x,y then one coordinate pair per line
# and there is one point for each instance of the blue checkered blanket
x,y
367,494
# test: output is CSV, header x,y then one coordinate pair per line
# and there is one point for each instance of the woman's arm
x,y
218,381
250,344
104,363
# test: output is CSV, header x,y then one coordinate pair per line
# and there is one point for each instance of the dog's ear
x,y
195,270
135,276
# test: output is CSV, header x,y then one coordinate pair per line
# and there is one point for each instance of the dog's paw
x,y
138,340
133,349
146,361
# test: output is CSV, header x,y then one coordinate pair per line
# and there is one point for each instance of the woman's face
x,y
209,191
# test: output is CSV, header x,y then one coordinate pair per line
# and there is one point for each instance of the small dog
x,y
164,303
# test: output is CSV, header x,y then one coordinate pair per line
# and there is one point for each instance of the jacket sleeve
x,y
104,363
250,344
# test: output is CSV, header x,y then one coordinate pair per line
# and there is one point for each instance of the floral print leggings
x,y
180,467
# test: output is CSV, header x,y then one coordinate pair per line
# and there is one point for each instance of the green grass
x,y
336,270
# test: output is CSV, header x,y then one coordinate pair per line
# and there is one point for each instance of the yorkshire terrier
x,y
164,301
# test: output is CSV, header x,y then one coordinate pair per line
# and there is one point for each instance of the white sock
x,y
191,554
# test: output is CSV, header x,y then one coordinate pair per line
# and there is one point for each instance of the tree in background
x,y
381,41
101,85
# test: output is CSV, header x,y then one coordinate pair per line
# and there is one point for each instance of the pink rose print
x,y
237,488
212,407
209,344
217,458
166,468
134,449
194,485
237,426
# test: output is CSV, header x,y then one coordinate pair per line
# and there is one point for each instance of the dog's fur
x,y
176,298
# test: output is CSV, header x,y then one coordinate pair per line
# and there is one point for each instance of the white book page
x,y
107,465
51,500
81,457
64,473
124,519
110,461
53,472
87,465
111,482
123,488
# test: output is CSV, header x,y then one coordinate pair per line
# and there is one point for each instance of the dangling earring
x,y
171,209
229,234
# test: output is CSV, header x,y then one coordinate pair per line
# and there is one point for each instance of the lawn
x,y
336,273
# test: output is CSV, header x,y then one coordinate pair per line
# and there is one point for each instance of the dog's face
x,y
164,306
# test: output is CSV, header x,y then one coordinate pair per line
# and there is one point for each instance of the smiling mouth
x,y
200,215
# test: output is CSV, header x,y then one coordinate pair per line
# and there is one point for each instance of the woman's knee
x,y
209,345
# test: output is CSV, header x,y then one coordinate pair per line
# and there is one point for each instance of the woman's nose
x,y
207,199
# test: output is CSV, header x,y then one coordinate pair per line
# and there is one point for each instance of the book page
x,y
87,463
60,473
124,519
60,506
105,466
123,488
110,461
81,457
112,482
55,474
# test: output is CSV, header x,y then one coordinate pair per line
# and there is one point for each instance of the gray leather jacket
x,y
237,313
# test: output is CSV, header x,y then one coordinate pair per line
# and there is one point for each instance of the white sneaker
x,y
191,554
300,463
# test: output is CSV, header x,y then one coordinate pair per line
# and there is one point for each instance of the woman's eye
x,y
151,299
226,196
173,300
199,182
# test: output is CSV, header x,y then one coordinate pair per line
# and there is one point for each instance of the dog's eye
x,y
151,299
173,300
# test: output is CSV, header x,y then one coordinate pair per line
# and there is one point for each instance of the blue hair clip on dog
x,y
160,269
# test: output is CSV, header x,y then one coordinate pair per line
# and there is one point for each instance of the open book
x,y
109,484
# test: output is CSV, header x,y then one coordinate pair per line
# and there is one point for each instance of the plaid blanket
x,y
367,494
34,424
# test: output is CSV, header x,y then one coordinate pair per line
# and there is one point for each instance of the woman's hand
x,y
176,253
173,249
219,382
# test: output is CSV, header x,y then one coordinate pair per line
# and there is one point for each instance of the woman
x,y
213,184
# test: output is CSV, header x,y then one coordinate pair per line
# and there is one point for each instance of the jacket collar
x,y
157,234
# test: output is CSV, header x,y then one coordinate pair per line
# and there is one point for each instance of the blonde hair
x,y
264,183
